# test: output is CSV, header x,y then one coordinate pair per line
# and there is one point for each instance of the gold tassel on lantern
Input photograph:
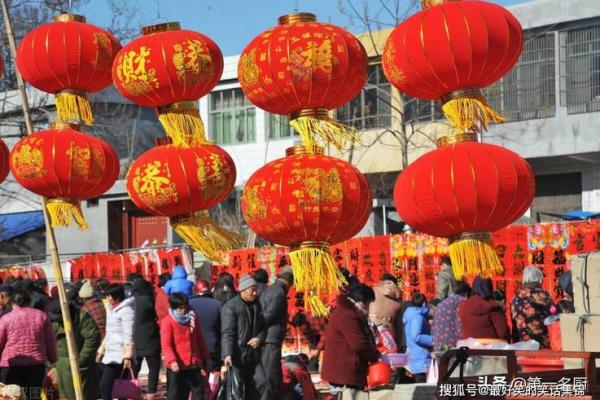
x,y
315,274
317,129
63,212
468,110
473,254
182,123
205,235
73,106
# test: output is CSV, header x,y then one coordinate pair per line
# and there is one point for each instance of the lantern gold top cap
x,y
167,26
300,149
432,3
69,18
65,125
456,138
297,17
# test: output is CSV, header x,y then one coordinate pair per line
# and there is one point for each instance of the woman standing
x,y
117,350
146,337
225,287
26,344
480,315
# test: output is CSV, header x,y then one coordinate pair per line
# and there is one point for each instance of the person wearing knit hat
x,y
275,310
242,335
92,305
87,290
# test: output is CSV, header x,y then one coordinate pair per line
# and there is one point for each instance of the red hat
x,y
202,287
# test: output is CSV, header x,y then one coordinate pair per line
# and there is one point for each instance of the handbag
x,y
231,386
127,388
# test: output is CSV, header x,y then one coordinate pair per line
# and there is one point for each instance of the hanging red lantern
x,y
4,156
464,191
182,183
303,68
307,202
169,69
70,59
449,51
65,166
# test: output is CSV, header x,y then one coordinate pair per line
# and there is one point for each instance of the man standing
x,y
5,299
208,311
275,310
242,333
446,282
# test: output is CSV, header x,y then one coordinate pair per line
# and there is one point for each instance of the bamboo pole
x,y
62,295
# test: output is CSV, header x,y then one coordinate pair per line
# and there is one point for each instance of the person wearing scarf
x,y
186,354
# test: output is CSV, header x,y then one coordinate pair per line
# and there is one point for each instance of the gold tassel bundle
x,y
183,124
473,254
63,212
468,110
73,106
315,274
317,129
205,236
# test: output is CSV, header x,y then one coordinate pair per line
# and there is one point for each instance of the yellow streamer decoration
x,y
474,256
468,110
183,125
205,236
315,274
318,130
73,107
64,212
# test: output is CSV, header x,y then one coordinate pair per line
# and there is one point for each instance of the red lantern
x,y
70,59
465,190
450,51
307,202
303,68
182,183
169,68
65,166
4,155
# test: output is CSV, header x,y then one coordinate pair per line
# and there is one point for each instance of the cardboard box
x,y
571,337
588,270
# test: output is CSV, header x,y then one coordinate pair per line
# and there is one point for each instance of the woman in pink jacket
x,y
26,343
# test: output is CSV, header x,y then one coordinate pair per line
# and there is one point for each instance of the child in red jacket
x,y
186,356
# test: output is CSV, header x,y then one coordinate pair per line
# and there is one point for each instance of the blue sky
x,y
233,23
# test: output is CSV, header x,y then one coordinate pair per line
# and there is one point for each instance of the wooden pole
x,y
51,239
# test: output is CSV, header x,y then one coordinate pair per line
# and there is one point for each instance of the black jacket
x,y
146,332
275,310
240,322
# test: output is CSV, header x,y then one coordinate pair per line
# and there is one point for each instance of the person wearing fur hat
x,y
275,310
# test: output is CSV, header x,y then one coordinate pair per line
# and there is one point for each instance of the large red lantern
x,y
70,59
65,166
169,69
465,190
450,51
303,68
307,202
182,183
4,155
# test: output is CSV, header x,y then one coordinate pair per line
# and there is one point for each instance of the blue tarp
x,y
17,224
581,215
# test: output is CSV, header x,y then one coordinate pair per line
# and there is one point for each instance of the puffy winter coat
x,y
275,311
146,337
240,322
118,342
179,283
183,343
482,319
418,338
208,311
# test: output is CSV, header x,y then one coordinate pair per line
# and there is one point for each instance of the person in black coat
x,y
146,333
275,310
242,334
208,311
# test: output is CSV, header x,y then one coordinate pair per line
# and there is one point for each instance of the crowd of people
x,y
190,329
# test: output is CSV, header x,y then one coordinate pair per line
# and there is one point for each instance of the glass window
x,y
417,110
232,117
372,107
279,127
581,69
528,91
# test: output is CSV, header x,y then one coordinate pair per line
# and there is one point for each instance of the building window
x,y
372,107
232,117
279,127
580,68
417,110
528,91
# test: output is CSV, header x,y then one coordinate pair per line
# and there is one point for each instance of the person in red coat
x,y
480,315
161,300
186,355
349,346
